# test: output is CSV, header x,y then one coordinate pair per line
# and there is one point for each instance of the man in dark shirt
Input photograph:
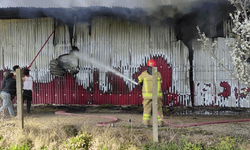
x,y
7,93
5,74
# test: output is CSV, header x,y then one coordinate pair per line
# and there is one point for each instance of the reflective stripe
x,y
158,85
146,85
159,118
146,116
150,94
145,91
139,78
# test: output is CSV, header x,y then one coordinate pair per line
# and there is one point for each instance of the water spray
x,y
99,64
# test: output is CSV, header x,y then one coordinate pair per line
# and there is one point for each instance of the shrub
x,y
81,141
227,143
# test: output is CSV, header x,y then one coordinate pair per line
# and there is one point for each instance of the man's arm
x,y
140,81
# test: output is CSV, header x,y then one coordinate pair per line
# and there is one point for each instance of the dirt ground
x,y
131,116
129,120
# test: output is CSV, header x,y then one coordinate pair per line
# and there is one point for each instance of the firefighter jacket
x,y
147,87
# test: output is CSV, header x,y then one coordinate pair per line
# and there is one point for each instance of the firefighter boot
x,y
145,123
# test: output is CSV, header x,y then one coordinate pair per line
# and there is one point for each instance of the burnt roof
x,y
184,16
163,12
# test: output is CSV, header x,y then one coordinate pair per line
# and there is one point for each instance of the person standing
x,y
5,74
14,69
145,79
27,88
7,93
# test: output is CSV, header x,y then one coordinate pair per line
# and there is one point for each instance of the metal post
x,y
19,97
154,104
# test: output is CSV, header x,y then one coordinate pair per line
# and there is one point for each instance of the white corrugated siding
x,y
21,41
115,42
208,76
120,44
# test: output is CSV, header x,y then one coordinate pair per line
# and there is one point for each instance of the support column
x,y
19,97
154,105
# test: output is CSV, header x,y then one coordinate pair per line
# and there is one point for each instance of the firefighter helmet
x,y
151,63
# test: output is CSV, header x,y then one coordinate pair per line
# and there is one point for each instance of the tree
x,y
239,49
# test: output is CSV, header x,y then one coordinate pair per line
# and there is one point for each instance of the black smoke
x,y
183,16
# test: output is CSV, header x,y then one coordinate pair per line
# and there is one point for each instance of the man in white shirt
x,y
27,88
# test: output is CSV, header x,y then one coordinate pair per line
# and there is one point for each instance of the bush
x,y
81,141
227,143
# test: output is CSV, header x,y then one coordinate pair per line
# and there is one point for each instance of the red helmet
x,y
151,63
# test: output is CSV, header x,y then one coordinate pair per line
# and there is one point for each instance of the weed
x,y
81,141
228,143
70,130
25,146
44,148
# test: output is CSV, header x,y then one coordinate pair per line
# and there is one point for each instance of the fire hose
x,y
100,124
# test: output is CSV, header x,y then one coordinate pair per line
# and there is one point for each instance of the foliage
x,y
44,148
25,146
227,143
191,146
174,146
183,144
164,146
1,137
81,141
239,48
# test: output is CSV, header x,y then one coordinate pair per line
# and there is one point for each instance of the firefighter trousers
x,y
147,109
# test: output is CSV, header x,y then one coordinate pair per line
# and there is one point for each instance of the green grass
x,y
225,143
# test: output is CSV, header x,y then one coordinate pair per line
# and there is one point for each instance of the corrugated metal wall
x,y
214,86
22,36
123,45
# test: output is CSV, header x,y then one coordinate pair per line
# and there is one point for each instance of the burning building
x,y
124,39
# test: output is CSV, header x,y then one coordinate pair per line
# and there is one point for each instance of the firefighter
x,y
145,79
